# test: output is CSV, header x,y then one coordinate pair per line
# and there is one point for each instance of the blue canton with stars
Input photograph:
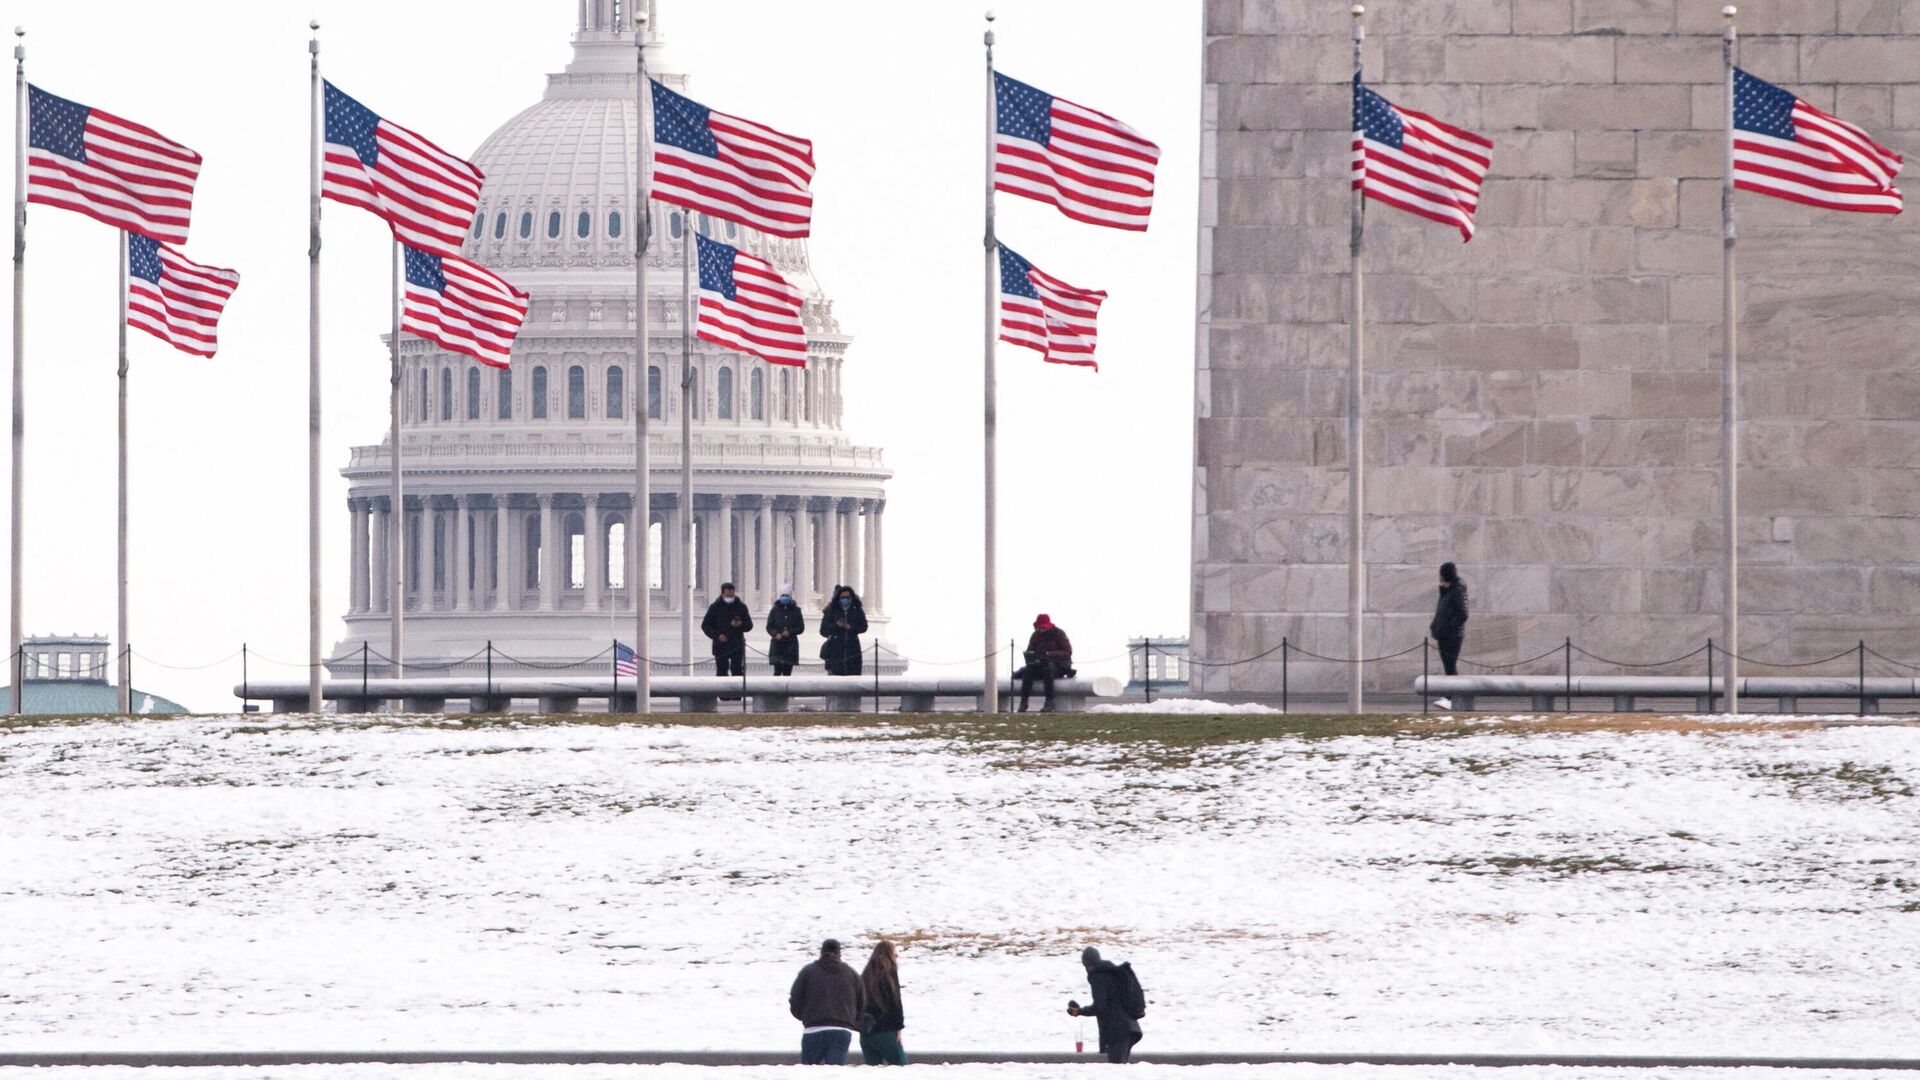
x,y
350,123
716,267
1374,117
143,257
1013,274
1761,107
1021,111
57,125
424,270
681,122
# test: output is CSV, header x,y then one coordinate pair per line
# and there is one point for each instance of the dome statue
x,y
519,481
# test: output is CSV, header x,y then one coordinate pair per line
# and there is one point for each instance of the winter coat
x,y
1051,646
1450,611
842,647
785,619
888,1016
733,620
827,994
1116,1027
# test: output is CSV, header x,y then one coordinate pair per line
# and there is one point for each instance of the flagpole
x,y
19,349
314,703
124,670
1730,392
990,687
397,515
1356,425
640,520
687,561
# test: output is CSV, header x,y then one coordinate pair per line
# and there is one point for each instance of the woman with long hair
x,y
842,623
881,1024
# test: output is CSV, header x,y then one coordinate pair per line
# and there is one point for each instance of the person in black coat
x,y
842,624
728,622
1449,627
785,624
1118,1031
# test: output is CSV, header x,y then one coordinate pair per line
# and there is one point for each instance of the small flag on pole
x,y
174,298
112,170
1419,164
1041,312
1090,166
734,169
462,307
427,196
624,662
1786,148
745,304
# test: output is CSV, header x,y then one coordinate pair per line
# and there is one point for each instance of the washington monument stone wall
x,y
1544,402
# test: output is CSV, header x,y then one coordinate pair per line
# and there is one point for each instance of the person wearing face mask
x,y
728,623
785,624
842,624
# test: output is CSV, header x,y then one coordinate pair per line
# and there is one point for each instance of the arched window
x,y
613,224
479,224
656,559
539,409
616,568
532,549
785,404
504,410
616,392
706,225
584,225
573,530
440,559
500,225
446,393
732,230
693,393
526,224
473,393
653,393
674,226
576,393
553,225
806,396
426,387
757,393
723,385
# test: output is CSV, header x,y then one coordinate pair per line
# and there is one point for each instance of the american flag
x,y
1786,148
427,196
1039,311
1419,164
1090,166
734,169
173,298
112,170
745,304
624,662
463,307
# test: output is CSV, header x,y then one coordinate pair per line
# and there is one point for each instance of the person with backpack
x,y
1117,1006
884,1018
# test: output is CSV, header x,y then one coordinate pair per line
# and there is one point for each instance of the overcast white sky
x,y
1095,469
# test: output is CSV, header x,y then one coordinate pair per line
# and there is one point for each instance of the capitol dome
x,y
518,481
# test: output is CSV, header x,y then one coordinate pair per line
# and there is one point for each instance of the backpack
x,y
1132,997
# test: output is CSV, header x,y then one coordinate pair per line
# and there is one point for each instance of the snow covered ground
x,y
266,883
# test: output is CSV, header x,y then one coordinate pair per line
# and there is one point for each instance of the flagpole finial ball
x,y
1729,11
639,18
1359,10
989,14
313,24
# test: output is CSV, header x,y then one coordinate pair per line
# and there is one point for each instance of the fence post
x,y
1710,694
243,677
1425,674
489,673
1283,673
1146,666
876,677
363,669
1569,669
1013,644
1863,677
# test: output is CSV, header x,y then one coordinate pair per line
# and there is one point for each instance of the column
x,y
829,565
377,556
502,546
549,549
596,552
410,561
462,518
766,578
850,544
869,580
723,545
878,582
357,554
803,555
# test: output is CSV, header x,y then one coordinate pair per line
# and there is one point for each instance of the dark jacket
x,y
827,994
1116,1027
841,645
886,1016
1050,646
1450,611
785,619
733,620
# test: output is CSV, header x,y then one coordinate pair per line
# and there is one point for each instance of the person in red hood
x,y
1049,657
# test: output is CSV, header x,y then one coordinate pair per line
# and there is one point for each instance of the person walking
x,y
1449,627
1049,656
1114,987
842,624
827,999
881,1024
728,622
785,624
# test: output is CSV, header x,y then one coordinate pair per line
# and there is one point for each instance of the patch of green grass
x,y
1557,865
1847,781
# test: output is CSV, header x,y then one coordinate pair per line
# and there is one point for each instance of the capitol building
x,y
518,482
